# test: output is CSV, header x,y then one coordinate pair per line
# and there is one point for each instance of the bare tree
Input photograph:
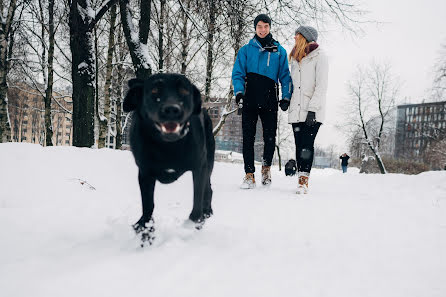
x,y
8,18
137,37
284,140
104,120
373,92
82,22
121,53
439,86
50,73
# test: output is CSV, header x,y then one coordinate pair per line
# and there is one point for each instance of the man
x,y
344,162
258,68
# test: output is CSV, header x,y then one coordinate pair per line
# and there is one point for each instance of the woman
x,y
309,72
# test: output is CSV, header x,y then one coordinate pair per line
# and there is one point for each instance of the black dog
x,y
170,135
290,168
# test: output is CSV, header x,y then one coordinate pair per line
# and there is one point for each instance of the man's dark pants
x,y
269,125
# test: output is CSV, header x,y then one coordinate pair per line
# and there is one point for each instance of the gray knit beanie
x,y
308,32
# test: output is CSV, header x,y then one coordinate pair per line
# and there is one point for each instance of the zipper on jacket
x,y
269,55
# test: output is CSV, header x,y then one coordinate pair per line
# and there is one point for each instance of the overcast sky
x,y
409,37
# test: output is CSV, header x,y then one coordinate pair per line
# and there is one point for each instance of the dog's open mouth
x,y
169,127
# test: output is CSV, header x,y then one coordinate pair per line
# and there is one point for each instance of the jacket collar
x,y
313,53
254,42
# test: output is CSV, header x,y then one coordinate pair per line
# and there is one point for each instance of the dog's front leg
x,y
199,177
145,225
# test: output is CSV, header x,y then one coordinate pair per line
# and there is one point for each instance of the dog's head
x,y
166,101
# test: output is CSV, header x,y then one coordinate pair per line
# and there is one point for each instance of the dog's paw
x,y
207,213
147,236
146,230
197,225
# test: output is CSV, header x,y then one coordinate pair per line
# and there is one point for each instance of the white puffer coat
x,y
310,80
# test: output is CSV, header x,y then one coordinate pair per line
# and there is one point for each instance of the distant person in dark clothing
x,y
259,67
344,162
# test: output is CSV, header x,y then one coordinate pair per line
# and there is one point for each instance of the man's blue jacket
x,y
253,58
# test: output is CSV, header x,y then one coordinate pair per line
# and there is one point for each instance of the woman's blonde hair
x,y
299,49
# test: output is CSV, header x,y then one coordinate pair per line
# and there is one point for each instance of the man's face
x,y
262,29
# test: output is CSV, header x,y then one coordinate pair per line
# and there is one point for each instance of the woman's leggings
x,y
304,136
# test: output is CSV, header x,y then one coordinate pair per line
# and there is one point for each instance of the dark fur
x,y
165,157
290,168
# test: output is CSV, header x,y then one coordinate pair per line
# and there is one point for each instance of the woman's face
x,y
297,36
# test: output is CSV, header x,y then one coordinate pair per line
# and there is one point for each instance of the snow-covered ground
x,y
353,235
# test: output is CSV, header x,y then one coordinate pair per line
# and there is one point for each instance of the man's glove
x,y
239,98
284,104
311,119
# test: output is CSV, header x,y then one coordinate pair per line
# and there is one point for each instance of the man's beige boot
x,y
266,175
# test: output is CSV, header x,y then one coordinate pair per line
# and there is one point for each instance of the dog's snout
x,y
171,112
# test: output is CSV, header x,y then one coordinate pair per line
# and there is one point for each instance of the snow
x,y
352,235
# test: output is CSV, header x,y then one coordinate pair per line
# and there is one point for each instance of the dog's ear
x,y
134,94
197,100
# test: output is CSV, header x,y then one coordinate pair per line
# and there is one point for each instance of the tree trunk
x,y
6,41
103,123
161,36
280,158
83,69
119,81
184,39
210,50
82,72
137,47
50,79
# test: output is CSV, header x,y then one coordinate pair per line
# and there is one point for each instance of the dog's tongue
x,y
170,127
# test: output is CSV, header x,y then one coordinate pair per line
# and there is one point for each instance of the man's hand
x,y
311,119
284,104
239,98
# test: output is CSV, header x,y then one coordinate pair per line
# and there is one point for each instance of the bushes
x,y
392,166
405,166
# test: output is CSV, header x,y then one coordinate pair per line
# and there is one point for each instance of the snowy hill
x,y
353,235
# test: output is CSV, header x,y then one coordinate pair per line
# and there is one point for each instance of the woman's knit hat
x,y
308,32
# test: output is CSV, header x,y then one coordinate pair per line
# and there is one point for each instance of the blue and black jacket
x,y
257,72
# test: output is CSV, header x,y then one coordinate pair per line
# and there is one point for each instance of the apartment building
x,y
417,125
27,116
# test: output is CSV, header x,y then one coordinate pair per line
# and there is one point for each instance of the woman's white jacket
x,y
310,80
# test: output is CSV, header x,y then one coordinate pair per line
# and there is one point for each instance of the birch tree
x,y
7,18
104,119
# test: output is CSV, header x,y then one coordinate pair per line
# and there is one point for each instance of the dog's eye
x,y
155,91
183,91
